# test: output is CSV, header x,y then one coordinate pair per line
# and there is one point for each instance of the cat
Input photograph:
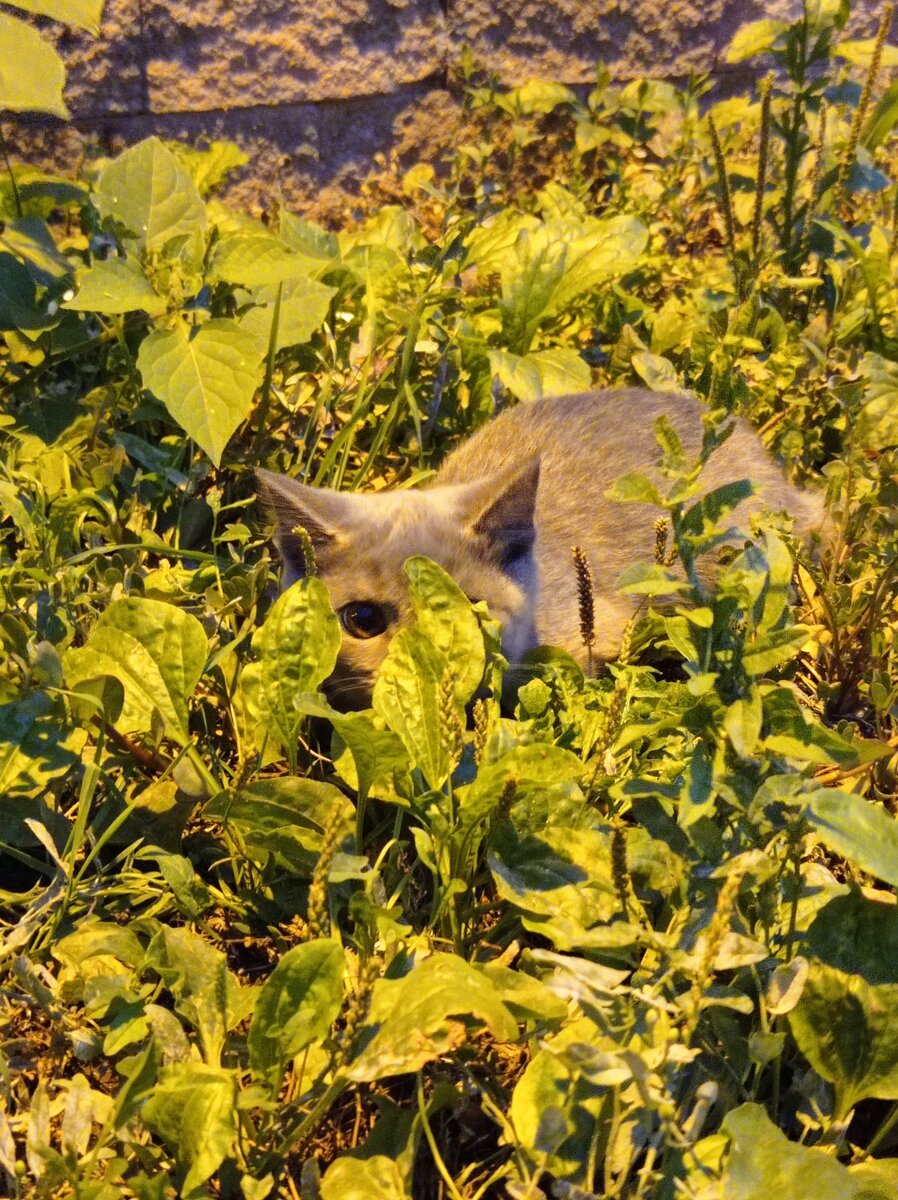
x,y
501,516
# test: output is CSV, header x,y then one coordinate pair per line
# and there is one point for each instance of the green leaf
x,y
763,1163
83,13
876,425
857,829
297,1005
206,994
30,239
406,695
280,818
18,298
256,261
743,721
560,877
350,1178
156,650
207,381
192,1108
657,372
297,647
554,262
541,96
147,191
415,1019
116,285
634,487
755,37
304,305
444,615
556,372
845,1027
860,53
32,74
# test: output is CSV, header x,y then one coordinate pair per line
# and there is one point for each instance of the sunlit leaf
x,y
206,381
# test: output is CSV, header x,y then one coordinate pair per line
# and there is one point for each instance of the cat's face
x,y
481,533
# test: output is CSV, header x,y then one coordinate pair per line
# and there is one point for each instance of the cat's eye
x,y
364,618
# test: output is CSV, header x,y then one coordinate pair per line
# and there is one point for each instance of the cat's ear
x,y
325,515
500,510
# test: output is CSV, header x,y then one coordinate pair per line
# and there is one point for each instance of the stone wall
x,y
312,90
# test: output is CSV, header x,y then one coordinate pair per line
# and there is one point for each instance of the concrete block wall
x,y
312,89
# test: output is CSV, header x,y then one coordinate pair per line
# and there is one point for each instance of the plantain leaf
x,y
297,1005
156,651
297,647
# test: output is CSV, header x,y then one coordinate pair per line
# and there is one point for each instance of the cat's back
x,y
611,431
585,443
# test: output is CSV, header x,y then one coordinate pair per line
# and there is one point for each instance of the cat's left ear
x,y
501,510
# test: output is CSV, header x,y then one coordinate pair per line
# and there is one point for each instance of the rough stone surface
x,y
310,157
312,91
524,39
233,53
105,74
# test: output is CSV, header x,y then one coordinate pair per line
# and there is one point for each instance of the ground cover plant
x,y
632,936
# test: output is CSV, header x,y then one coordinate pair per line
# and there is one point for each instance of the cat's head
x,y
481,533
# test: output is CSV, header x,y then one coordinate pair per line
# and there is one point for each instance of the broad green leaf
x,y
350,1178
297,1005
207,381
406,695
858,935
320,248
210,164
256,261
32,74
857,829
304,305
845,1027
743,721
876,1179
634,487
657,372
376,753
755,37
444,615
156,651
558,873
283,818
771,650
859,53
763,1163
541,96
116,285
554,1108
557,372
206,994
193,1110
554,262
793,732
30,239
147,191
876,425
535,767
83,13
415,1019
297,648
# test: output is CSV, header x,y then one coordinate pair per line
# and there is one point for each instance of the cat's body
x,y
501,516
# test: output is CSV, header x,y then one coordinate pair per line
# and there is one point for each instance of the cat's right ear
x,y
322,512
